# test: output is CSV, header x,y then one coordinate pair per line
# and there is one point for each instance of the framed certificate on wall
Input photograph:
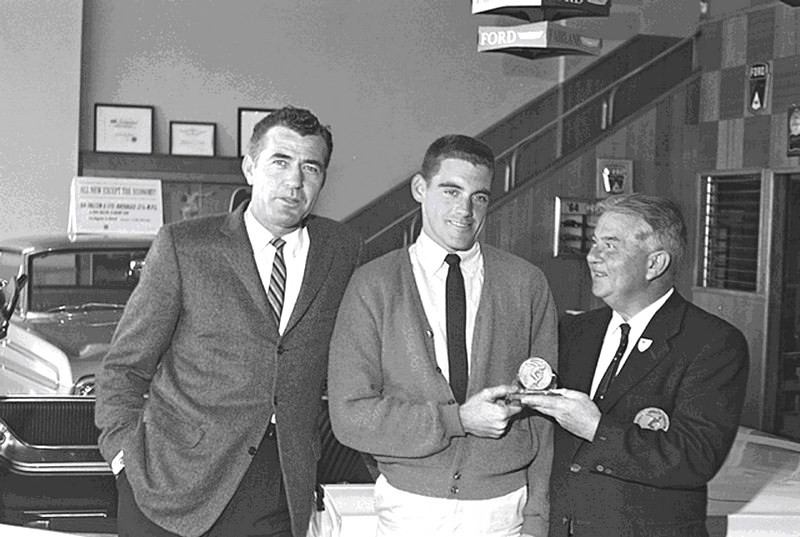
x,y
192,138
123,128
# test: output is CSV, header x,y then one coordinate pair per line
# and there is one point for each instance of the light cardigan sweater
x,y
387,397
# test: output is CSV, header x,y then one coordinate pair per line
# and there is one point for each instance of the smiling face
x,y
286,177
454,203
624,264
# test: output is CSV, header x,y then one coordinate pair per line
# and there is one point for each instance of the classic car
x,y
71,297
60,301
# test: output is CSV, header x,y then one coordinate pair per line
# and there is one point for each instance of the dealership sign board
x,y
115,206
536,39
539,10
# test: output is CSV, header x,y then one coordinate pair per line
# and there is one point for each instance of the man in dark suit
x,y
209,399
654,387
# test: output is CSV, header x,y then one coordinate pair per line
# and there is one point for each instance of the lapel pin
x,y
644,344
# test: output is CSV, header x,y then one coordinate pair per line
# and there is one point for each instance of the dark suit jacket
x,y
197,367
632,481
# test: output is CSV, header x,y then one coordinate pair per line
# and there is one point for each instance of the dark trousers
x,y
258,508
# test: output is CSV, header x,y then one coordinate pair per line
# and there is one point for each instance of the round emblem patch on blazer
x,y
652,418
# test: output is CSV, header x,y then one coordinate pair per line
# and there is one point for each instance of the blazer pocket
x,y
168,423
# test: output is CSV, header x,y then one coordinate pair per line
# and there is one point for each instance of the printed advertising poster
x,y
115,206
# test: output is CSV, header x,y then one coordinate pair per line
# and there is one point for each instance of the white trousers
x,y
404,514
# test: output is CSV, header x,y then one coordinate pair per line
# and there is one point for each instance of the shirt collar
x,y
640,321
260,236
431,255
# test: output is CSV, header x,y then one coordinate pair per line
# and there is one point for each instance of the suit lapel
x,y
320,258
662,327
590,341
240,255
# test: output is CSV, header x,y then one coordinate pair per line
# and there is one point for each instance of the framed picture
x,y
248,117
192,138
123,128
793,132
614,176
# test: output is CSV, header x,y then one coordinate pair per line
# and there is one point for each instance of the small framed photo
x,y
192,138
123,128
248,117
793,132
614,176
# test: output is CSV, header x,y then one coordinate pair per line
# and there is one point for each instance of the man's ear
x,y
247,168
657,264
418,187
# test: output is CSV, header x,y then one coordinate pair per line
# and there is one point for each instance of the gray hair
x,y
661,214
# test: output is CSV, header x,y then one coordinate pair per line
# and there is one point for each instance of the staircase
x,y
543,135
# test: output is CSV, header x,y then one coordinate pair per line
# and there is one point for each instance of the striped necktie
x,y
277,281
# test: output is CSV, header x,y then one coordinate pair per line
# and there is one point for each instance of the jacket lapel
x,y
590,341
240,255
320,258
662,327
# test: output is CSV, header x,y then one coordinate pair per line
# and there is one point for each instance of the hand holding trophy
x,y
535,376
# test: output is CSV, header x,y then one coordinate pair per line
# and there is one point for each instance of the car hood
x,y
84,337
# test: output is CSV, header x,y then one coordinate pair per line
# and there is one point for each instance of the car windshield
x,y
83,280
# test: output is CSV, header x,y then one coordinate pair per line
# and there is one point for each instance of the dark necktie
x,y
277,281
611,372
456,305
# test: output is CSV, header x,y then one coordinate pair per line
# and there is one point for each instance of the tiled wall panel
x,y
732,85
709,136
785,83
730,144
756,141
734,41
709,47
761,35
709,96
786,31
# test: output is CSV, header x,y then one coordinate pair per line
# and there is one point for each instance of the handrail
x,y
607,120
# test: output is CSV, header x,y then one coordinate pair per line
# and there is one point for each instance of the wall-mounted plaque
x,y
123,128
248,117
614,176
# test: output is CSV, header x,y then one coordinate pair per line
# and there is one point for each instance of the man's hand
x,y
573,410
486,413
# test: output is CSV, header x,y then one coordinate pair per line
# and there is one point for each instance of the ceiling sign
x,y
540,10
536,40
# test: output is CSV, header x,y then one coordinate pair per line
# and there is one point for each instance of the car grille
x,y
51,421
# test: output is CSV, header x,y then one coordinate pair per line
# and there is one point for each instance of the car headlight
x,y
84,386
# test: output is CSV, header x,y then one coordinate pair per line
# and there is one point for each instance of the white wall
x,y
40,44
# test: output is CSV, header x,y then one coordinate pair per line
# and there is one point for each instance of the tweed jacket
x,y
387,397
649,479
197,367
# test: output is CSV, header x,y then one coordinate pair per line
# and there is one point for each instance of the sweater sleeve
x,y
371,413
544,343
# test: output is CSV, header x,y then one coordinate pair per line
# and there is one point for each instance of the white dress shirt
x,y
430,273
295,254
638,323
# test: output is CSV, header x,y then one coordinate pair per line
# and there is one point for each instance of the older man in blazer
x,y
209,399
654,387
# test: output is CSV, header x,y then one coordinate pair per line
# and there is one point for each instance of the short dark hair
x,y
300,120
661,214
457,146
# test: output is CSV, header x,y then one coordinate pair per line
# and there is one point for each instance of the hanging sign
x,y
541,10
535,40
758,75
113,206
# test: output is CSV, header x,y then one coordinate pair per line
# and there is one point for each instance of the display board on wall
x,y
115,206
573,231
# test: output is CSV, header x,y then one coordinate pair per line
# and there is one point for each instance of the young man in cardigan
x,y
427,343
